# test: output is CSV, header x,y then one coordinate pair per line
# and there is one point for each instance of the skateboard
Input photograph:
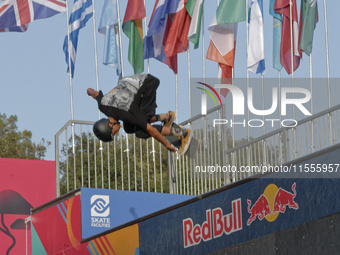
x,y
193,146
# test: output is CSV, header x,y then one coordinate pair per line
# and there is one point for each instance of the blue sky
x,y
35,85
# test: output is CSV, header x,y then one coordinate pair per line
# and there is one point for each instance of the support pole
x,y
328,76
120,39
97,82
145,33
292,66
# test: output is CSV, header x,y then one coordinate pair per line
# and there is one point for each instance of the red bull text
x,y
215,226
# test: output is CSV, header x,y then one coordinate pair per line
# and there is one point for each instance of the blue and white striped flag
x,y
108,27
82,11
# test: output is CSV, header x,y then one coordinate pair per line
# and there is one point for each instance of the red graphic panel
x,y
23,184
59,227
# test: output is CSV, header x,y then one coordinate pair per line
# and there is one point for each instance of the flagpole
x,y
189,124
264,126
148,70
328,75
291,45
176,89
280,118
311,82
263,102
71,96
311,101
120,39
95,54
70,80
327,54
219,69
291,37
95,50
204,117
203,43
97,81
145,28
248,81
122,68
247,41
189,82
292,67
69,58
279,81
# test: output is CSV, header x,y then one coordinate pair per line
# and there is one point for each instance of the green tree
x,y
17,144
88,170
87,165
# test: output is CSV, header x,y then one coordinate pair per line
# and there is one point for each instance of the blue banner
x,y
242,213
103,209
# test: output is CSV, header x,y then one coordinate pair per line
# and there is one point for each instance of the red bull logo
x,y
271,203
215,225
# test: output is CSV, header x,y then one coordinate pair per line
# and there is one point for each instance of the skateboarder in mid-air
x,y
133,102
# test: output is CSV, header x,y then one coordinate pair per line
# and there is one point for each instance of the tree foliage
x,y
127,164
17,144
118,170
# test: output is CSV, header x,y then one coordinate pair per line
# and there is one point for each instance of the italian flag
x,y
133,28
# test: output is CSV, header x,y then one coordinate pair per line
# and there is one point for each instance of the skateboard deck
x,y
193,146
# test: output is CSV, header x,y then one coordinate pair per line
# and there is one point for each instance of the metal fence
x,y
283,145
130,163
127,163
183,175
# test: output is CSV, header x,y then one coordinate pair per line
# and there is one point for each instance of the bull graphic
x,y
284,198
260,209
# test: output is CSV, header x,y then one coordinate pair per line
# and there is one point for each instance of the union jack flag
x,y
22,28
16,13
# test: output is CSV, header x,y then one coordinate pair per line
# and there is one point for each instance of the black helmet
x,y
102,130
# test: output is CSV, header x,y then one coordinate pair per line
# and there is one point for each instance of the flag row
x,y
173,24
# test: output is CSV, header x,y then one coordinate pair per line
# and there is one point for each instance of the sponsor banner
x,y
246,212
103,209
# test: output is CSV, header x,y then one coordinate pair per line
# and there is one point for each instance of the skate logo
x,y
100,206
271,203
215,225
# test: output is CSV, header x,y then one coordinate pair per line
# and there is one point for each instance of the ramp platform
x,y
275,213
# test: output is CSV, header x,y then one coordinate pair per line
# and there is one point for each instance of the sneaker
x,y
170,119
185,142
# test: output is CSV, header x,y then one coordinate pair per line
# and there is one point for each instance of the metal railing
x,y
312,134
130,163
127,163
183,177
